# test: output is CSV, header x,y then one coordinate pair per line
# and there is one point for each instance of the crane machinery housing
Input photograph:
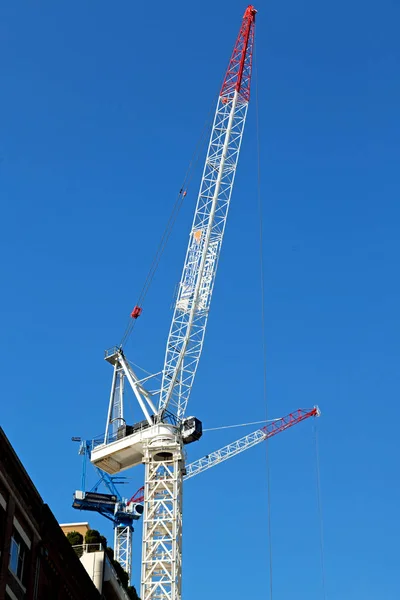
x,y
158,439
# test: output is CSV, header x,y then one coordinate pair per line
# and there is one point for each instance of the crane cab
x,y
191,430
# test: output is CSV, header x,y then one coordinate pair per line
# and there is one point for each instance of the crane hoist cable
x,y
168,228
320,517
263,331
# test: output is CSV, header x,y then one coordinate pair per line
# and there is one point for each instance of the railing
x,y
167,418
99,440
138,428
84,548
111,351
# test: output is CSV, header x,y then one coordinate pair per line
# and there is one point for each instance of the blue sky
x,y
102,105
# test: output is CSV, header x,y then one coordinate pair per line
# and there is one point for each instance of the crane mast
x,y
186,336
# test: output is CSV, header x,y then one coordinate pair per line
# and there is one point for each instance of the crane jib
x,y
186,335
192,274
187,287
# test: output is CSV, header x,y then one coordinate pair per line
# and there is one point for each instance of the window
x,y
18,552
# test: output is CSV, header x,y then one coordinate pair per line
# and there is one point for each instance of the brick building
x,y
36,560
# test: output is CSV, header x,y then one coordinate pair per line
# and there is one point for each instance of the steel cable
x,y
320,517
169,226
263,332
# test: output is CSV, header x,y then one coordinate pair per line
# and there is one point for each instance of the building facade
x,y
36,560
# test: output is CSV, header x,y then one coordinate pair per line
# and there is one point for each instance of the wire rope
x,y
241,425
263,331
320,516
169,226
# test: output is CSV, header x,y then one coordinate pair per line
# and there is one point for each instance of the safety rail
x,y
113,437
85,548
138,427
111,351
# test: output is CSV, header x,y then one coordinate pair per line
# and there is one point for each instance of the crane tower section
x,y
185,340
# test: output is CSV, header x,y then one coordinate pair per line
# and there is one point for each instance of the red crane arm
x,y
238,74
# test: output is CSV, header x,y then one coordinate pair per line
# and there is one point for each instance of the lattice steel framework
x,y
123,547
115,416
162,522
248,441
186,336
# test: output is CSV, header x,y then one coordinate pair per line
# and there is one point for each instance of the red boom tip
x,y
238,75
250,10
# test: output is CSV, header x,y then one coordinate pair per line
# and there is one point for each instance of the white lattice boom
x,y
186,336
185,340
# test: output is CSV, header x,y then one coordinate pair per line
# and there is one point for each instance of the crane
x,y
120,511
158,440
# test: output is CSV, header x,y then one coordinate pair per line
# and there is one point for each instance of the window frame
x,y
18,558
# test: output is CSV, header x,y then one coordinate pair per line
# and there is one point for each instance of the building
x,y
81,528
36,560
99,566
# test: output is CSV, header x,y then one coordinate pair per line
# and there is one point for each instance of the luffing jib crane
x,y
158,440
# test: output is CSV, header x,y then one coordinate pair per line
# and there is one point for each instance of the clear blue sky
x,y
101,106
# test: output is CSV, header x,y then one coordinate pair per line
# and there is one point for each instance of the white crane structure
x,y
158,440
248,441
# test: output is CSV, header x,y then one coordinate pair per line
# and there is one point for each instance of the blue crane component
x,y
120,511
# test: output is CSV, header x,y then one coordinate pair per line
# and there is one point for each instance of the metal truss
x,y
186,335
115,416
185,340
248,441
162,522
123,547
